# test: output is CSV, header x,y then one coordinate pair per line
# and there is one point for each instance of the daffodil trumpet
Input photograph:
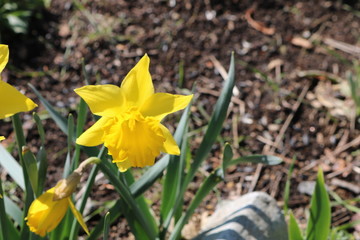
x,y
130,124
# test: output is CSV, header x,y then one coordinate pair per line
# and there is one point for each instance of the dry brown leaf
x,y
258,25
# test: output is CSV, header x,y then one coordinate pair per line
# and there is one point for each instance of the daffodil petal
x,y
170,146
161,104
103,100
44,214
93,136
4,56
13,101
137,85
78,216
123,166
2,138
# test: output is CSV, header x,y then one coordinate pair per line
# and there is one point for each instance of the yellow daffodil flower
x,y
15,101
130,124
47,211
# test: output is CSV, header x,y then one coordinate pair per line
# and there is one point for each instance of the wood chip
x,y
347,185
301,42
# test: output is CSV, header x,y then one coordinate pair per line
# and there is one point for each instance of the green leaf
x,y
115,212
13,210
43,164
287,186
227,156
318,227
12,167
264,159
59,120
216,123
31,168
40,127
210,182
106,226
293,229
174,175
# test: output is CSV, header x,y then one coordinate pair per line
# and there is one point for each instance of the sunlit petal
x,y
103,100
161,104
170,146
4,56
45,214
2,138
137,85
94,135
123,166
78,216
13,101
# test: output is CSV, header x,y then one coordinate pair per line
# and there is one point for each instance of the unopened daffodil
x,y
47,211
12,100
130,124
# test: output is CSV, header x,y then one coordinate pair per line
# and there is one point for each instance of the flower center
x,y
134,138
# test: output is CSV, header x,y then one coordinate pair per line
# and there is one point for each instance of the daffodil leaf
x,y
12,167
210,182
318,227
59,120
215,124
294,229
13,210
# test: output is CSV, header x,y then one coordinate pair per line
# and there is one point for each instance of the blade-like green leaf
x,y
264,159
106,226
13,210
31,167
210,182
115,213
43,164
12,167
227,156
216,123
293,229
40,128
318,227
59,120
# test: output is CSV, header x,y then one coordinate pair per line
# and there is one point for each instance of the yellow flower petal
x,y
2,138
94,135
4,56
161,104
123,166
44,214
170,146
78,216
103,100
137,85
15,101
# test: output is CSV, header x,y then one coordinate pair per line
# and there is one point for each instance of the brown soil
x,y
272,71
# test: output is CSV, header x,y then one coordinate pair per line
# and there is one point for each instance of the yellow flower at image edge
x,y
45,213
130,124
12,100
